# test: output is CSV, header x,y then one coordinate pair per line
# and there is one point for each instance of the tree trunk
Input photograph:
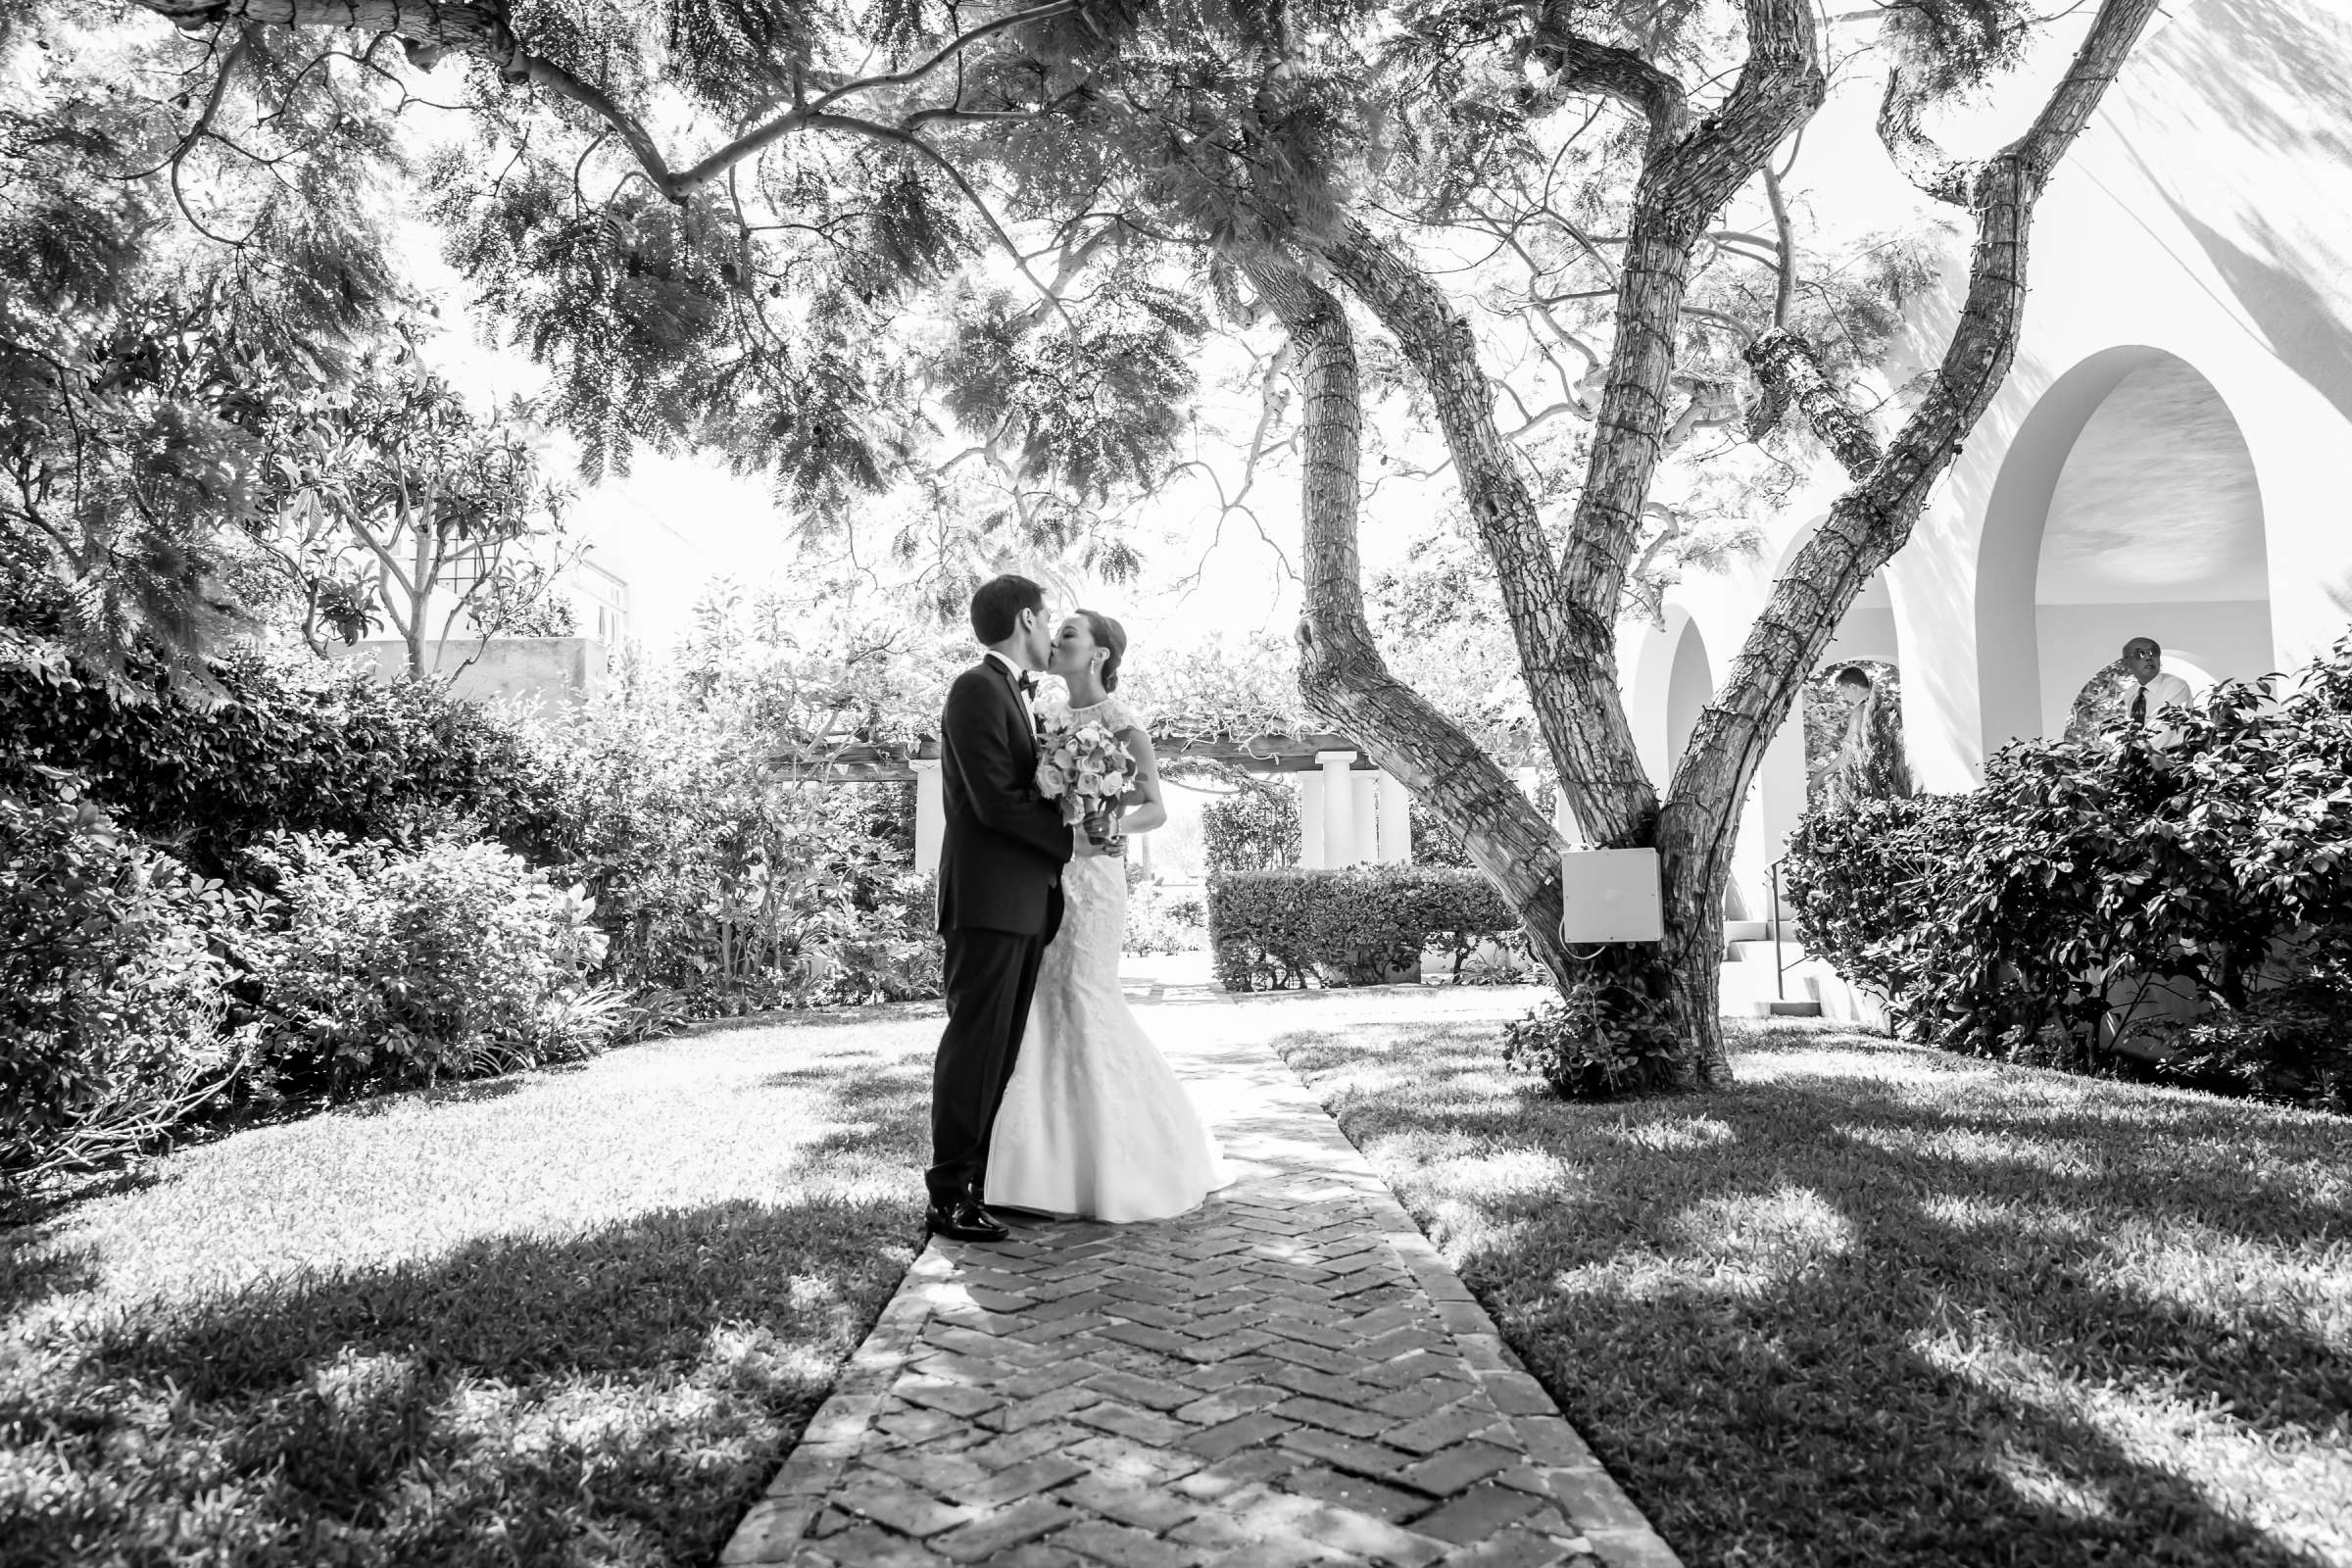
x,y
1341,672
1874,518
1563,615
1563,618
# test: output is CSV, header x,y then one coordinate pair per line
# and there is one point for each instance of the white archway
x,y
2126,505
1690,682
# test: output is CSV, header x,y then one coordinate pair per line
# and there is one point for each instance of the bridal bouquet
x,y
1084,769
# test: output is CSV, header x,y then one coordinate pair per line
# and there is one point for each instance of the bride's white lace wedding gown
x,y
1095,1122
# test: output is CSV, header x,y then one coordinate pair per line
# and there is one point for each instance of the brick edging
x,y
778,1521
1579,1482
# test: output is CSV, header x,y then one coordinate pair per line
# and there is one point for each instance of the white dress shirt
x,y
1029,699
2165,690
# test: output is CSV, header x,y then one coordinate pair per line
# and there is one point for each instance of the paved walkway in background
x,y
1287,1375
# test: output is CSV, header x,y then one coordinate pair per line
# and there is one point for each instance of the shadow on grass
x,y
32,1272
1873,1305
618,1395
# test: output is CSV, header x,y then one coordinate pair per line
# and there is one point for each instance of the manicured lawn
x,y
1878,1306
562,1318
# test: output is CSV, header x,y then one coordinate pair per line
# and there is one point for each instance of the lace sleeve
x,y
1120,716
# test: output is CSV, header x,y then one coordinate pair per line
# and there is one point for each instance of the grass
x,y
1878,1306
570,1317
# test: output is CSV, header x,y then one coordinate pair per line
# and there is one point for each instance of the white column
x,y
930,813
1367,815
1310,820
1396,822
1339,809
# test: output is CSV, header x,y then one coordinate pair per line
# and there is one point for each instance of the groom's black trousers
x,y
991,975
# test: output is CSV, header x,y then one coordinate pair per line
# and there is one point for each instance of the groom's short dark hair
x,y
997,607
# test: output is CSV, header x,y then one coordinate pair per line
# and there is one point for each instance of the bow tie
x,y
1027,683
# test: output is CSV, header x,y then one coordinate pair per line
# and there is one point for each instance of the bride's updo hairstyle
x,y
1111,638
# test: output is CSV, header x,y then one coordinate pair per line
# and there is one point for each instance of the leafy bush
x,y
302,749
1254,830
115,988
1278,930
724,888
395,967
1159,921
2010,921
1434,843
1604,1035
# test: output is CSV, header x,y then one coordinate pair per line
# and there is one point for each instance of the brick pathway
x,y
1287,1375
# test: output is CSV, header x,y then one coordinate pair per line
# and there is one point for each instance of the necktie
x,y
1027,684
2139,705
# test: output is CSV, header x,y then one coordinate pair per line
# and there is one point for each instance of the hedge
x,y
2030,918
302,749
1284,930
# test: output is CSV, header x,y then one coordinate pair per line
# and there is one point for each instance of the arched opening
x,y
2127,507
1690,682
1853,716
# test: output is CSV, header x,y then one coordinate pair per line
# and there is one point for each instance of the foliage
x,y
2010,921
194,231
1434,843
115,986
1157,922
394,503
813,682
300,748
391,968
1280,930
1255,828
719,879
1222,687
2103,703
1601,1037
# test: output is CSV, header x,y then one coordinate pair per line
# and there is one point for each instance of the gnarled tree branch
x,y
1874,520
479,28
1915,153
1341,672
1787,365
1579,65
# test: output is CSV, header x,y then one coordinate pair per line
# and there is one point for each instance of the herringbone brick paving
x,y
1287,1375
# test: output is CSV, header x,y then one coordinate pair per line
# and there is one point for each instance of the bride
x,y
1094,1122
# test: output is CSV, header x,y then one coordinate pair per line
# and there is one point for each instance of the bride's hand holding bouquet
x,y
1085,769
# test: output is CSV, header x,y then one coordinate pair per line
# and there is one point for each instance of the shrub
x,y
400,967
1254,830
1157,922
1277,930
114,987
2007,921
303,748
1434,843
1604,1035
724,888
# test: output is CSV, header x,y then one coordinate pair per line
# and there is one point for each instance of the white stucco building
x,y
2171,457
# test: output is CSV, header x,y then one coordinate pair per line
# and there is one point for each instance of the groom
x,y
1000,894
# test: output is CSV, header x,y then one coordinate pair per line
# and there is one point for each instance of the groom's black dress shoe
x,y
965,1221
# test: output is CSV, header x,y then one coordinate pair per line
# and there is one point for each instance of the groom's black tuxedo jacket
x,y
1005,846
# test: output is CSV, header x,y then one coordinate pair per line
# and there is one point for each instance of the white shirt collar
x,y
1010,669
